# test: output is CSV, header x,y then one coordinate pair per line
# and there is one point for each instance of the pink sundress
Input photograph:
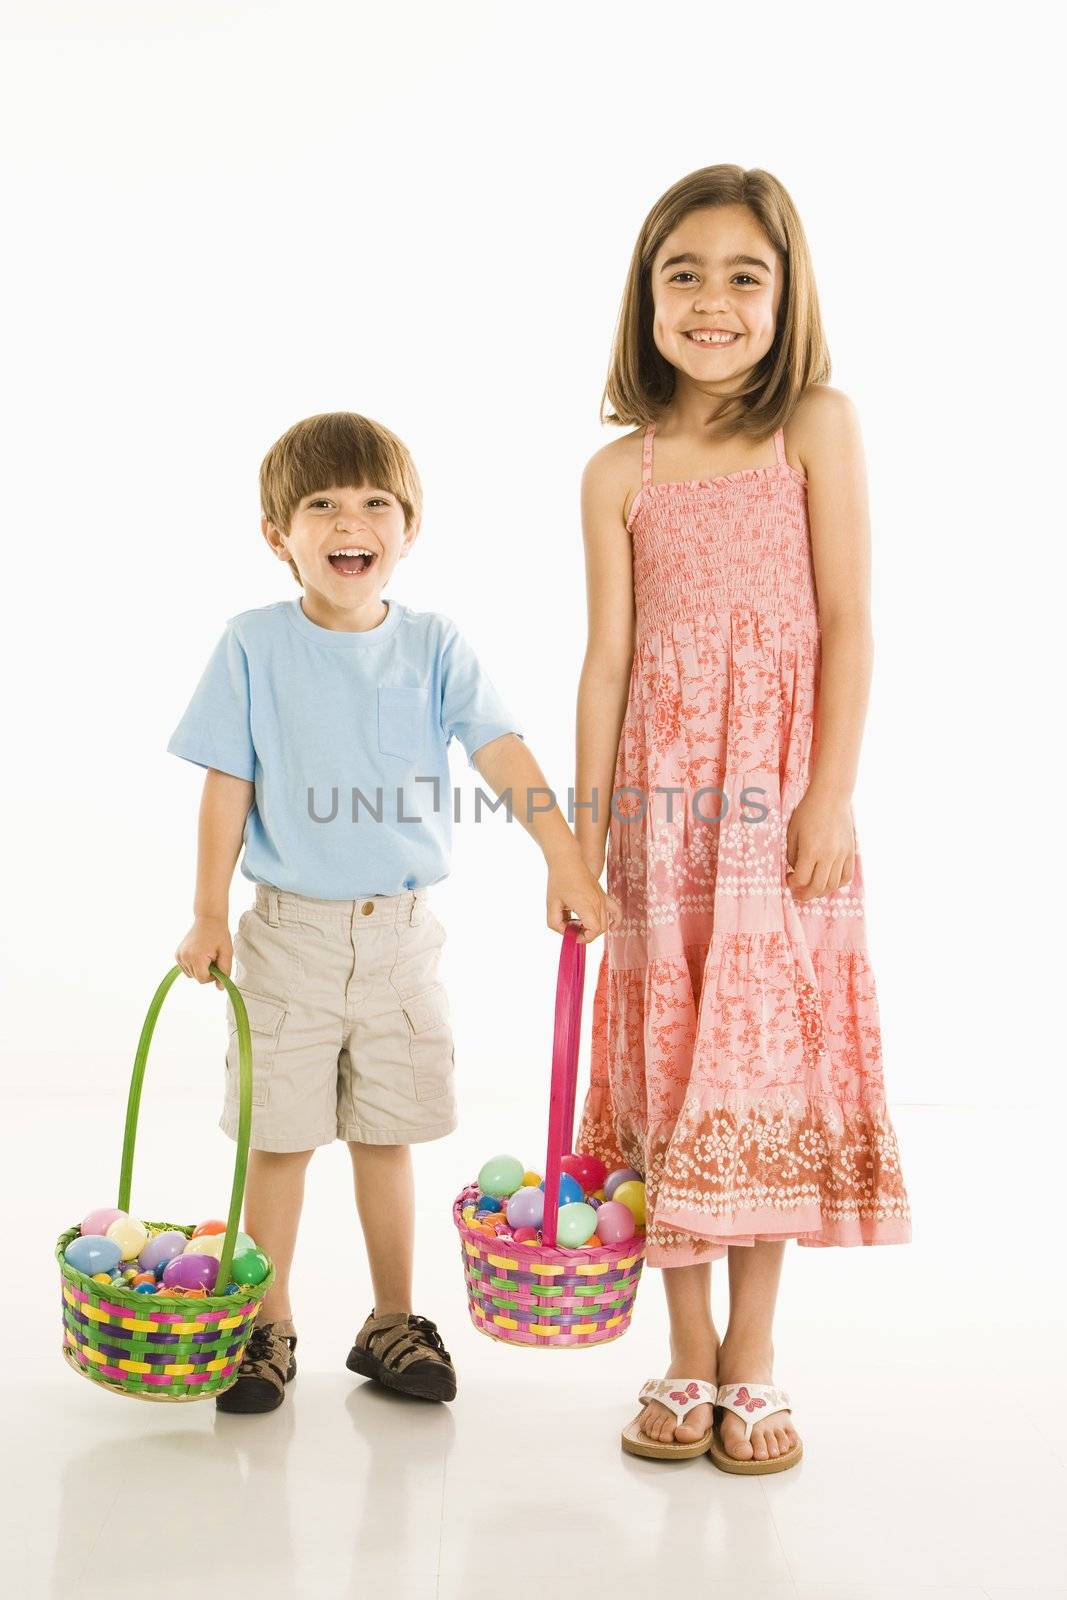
x,y
736,1050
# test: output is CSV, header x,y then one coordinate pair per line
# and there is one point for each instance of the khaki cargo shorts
x,y
351,1036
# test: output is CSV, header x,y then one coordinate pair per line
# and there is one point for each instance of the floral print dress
x,y
736,1051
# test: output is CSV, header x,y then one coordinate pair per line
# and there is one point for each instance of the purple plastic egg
x,y
161,1248
620,1175
526,1207
191,1272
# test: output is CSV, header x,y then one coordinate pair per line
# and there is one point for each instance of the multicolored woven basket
x,y
165,1347
548,1296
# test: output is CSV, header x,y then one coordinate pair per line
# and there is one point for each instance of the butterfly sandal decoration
x,y
679,1395
752,1402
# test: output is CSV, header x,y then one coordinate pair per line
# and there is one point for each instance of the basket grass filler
x,y
160,1346
547,1295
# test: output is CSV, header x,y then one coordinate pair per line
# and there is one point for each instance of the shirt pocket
x,y
403,712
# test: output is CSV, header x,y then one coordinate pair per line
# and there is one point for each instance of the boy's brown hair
x,y
641,382
336,449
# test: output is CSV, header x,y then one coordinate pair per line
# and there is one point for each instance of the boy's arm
x,y
506,763
224,807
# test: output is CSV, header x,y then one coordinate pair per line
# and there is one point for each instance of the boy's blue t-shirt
x,y
310,714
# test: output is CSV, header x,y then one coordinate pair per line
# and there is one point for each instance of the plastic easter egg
x,y
145,1288
632,1195
489,1202
575,1224
590,1170
573,1164
597,1194
161,1248
615,1223
100,1220
91,1253
250,1267
102,1277
143,1277
526,1208
532,1244
214,1226
620,1175
130,1235
500,1176
191,1272
524,1235
532,1179
243,1241
208,1244
570,1190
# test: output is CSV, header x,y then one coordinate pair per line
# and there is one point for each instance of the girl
x,y
736,1043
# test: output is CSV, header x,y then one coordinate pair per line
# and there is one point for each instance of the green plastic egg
x,y
501,1176
575,1224
250,1267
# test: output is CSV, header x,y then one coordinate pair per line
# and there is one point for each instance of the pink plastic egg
x,y
614,1223
100,1220
524,1235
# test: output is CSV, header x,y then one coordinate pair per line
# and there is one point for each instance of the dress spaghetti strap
x,y
646,459
779,449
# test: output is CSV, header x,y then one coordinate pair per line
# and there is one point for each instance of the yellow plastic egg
x,y
206,1244
130,1235
632,1195
598,1194
532,1178
101,1277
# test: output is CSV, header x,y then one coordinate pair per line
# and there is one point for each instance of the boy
x,y
324,723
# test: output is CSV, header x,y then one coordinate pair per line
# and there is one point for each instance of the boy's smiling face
x,y
345,543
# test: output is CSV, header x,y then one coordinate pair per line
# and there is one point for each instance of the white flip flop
x,y
752,1402
679,1395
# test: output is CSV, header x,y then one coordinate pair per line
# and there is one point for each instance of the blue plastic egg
x,y
91,1253
570,1190
488,1203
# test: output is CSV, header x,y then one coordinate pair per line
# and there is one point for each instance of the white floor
x,y
916,1374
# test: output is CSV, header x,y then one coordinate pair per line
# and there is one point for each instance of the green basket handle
x,y
244,1120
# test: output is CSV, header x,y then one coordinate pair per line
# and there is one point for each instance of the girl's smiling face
x,y
345,543
715,275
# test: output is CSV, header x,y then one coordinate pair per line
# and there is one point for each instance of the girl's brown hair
x,y
337,449
641,382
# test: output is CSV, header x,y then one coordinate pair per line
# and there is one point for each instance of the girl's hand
x,y
572,887
820,845
595,865
207,941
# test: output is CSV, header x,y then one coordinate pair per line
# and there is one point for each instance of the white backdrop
x,y
223,217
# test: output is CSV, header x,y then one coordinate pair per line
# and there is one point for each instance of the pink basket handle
x,y
565,1042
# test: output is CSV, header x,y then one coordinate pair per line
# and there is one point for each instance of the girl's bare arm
x,y
605,678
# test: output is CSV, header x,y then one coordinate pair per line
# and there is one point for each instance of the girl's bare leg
x,y
747,1354
694,1351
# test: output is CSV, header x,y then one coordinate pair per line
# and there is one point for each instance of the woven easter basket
x,y
165,1347
548,1296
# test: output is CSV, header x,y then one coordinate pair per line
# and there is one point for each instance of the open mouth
x,y
712,340
352,563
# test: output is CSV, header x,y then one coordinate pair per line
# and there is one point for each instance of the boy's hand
x,y
207,941
572,887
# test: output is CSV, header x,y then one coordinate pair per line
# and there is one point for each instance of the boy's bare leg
x,y
385,1199
274,1196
